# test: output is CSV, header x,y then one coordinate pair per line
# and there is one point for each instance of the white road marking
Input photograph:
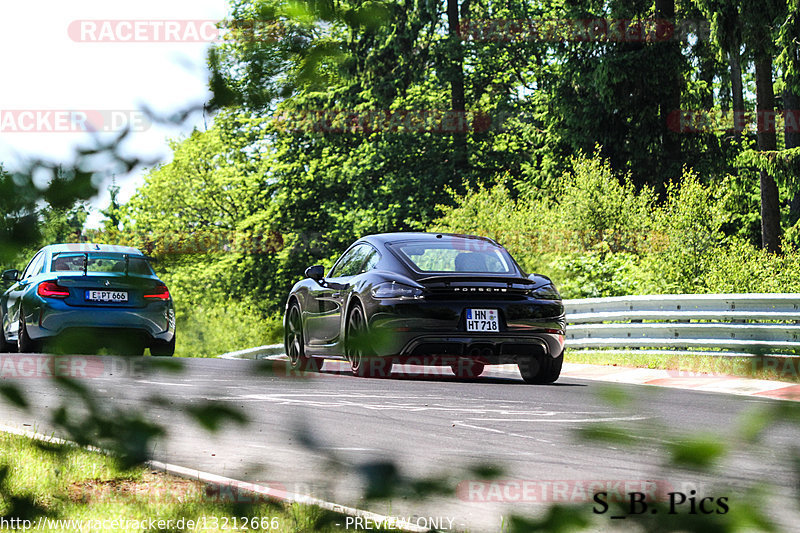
x,y
165,383
344,449
459,423
565,420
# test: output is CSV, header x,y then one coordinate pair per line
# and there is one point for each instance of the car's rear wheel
x,y
541,370
163,349
355,339
357,349
5,346
467,369
24,343
293,340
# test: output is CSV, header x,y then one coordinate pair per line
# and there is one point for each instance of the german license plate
x,y
106,296
482,320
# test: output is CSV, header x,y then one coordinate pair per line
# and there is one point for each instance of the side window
x,y
350,264
34,267
337,268
372,259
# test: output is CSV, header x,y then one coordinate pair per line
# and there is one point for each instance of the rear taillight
x,y
51,289
159,292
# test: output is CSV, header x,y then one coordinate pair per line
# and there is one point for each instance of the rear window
x,y
455,255
100,262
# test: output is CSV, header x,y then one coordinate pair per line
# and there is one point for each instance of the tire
x,y
5,346
357,349
24,343
163,349
293,340
541,370
467,369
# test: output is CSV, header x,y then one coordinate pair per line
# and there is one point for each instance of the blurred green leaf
x,y
606,433
486,471
212,416
700,452
13,395
557,519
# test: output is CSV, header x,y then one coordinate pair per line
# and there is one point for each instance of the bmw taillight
x,y
159,292
51,289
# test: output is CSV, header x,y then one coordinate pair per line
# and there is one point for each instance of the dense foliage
x,y
597,236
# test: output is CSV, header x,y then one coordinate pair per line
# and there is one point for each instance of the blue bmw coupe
x,y
87,292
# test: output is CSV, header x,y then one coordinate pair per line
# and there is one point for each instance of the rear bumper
x,y
156,321
490,350
436,331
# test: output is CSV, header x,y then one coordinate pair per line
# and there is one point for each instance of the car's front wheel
x,y
24,343
541,370
293,340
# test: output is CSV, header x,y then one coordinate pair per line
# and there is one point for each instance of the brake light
x,y
159,292
51,289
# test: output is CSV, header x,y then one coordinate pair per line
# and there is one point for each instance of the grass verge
x,y
52,484
770,368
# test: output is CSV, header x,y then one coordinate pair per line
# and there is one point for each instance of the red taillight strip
x,y
51,289
159,292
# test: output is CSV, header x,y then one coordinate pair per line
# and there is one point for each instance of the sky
x,y
70,66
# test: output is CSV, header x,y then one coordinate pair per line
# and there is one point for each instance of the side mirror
x,y
316,272
10,275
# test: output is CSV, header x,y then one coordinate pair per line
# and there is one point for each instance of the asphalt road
x,y
327,434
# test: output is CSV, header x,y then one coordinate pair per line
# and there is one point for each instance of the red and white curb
x,y
684,380
679,379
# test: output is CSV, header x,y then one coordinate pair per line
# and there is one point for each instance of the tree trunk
x,y
457,99
737,91
791,134
671,102
767,140
791,104
706,55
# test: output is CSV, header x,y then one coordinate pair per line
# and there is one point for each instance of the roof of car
x,y
91,247
418,235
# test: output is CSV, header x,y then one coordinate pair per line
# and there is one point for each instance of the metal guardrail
x,y
753,324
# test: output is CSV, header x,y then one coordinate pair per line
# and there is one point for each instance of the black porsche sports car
x,y
430,299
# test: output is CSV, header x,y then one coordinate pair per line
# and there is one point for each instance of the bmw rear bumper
x,y
156,321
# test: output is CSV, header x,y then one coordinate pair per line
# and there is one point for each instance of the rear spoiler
x,y
476,278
